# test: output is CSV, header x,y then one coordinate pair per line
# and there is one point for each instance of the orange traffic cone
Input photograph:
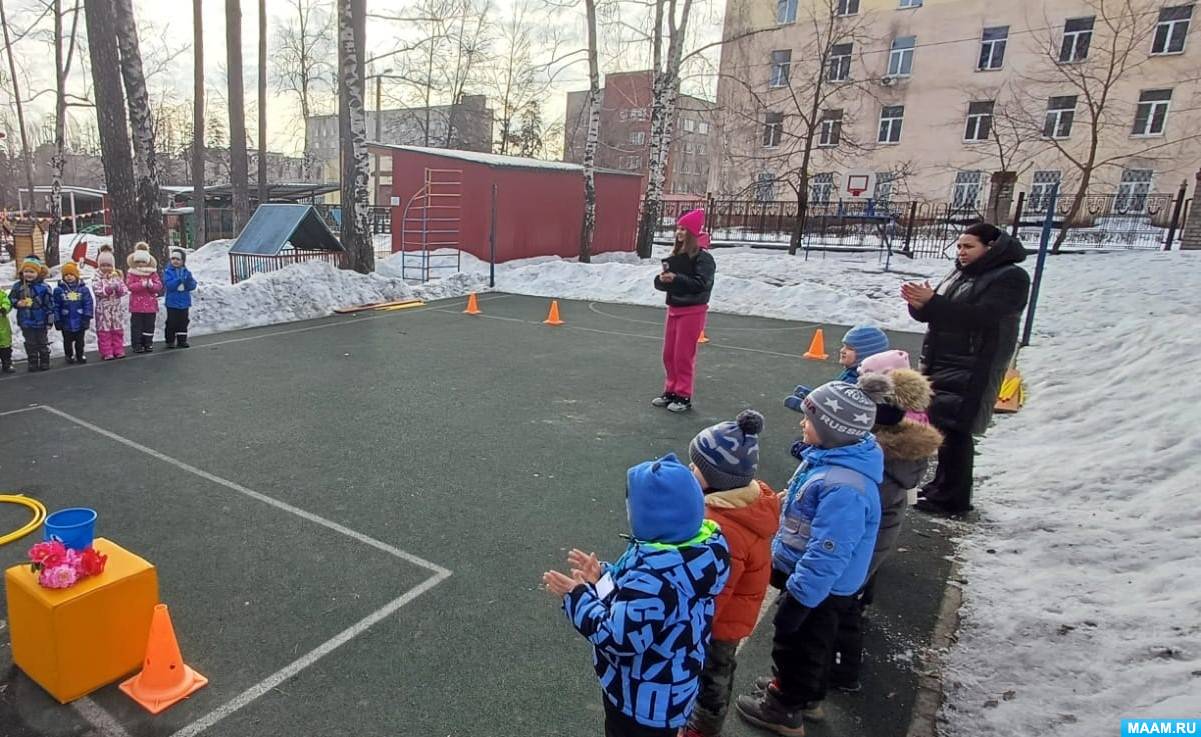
x,y
817,347
164,679
553,317
473,306
704,338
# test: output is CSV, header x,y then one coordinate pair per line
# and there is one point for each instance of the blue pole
x,y
1043,244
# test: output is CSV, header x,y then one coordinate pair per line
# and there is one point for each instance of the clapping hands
x,y
585,569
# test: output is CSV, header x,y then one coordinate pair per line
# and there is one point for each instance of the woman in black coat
x,y
973,318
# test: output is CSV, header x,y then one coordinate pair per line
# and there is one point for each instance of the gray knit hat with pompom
x,y
727,453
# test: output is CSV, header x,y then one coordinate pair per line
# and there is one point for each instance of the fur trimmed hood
x,y
911,389
908,441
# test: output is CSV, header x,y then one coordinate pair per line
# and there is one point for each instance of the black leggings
x,y
952,484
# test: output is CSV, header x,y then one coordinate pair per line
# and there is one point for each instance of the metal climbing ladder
x,y
432,222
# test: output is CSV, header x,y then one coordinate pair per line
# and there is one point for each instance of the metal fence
x,y
243,266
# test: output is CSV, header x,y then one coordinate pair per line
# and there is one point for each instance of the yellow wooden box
x,y
74,641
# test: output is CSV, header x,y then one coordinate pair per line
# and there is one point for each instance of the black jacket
x,y
973,330
693,282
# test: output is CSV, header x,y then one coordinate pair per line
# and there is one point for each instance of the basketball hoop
x,y
857,184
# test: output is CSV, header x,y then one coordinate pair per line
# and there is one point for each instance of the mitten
x,y
798,449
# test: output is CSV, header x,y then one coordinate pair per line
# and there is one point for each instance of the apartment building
x,y
926,99
625,132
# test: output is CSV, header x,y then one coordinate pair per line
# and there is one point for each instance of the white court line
x,y
108,727
16,411
98,718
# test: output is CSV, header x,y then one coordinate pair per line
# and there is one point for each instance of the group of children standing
x,y
72,305
708,539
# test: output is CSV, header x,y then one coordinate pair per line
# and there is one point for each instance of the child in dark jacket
x,y
178,285
35,311
687,278
908,446
648,616
725,460
820,556
73,312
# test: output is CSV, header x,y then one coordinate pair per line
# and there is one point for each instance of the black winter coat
x,y
972,334
693,282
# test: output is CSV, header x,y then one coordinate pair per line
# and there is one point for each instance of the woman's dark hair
x,y
690,245
986,232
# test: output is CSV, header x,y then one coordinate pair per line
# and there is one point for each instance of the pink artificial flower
x,y
58,577
49,553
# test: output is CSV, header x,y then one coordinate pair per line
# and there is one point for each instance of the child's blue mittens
x,y
798,448
793,401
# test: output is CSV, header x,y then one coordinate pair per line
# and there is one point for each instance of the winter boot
x,y
181,340
6,360
679,404
139,348
766,711
663,399
812,712
81,358
44,359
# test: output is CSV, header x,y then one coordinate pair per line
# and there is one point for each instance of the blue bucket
x,y
74,527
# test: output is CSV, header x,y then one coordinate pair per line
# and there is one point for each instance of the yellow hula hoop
x,y
39,515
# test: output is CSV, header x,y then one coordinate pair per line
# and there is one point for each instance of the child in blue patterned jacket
x,y
649,615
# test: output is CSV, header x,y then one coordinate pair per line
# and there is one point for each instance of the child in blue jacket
x,y
649,615
73,312
35,311
178,285
820,556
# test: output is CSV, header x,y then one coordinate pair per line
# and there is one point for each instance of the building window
x,y
1077,35
702,128
700,149
632,163
821,188
688,148
840,62
891,117
638,138
883,191
1043,185
1171,29
830,128
780,61
1133,191
1060,113
967,189
765,186
847,7
992,48
689,125
900,58
911,3
1152,112
979,121
786,11
773,129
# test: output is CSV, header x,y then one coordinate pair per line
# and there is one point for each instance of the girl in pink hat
x,y
687,277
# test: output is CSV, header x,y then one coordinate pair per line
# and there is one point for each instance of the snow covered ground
x,y
1082,596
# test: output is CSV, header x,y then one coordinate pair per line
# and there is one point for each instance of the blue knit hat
x,y
865,340
664,500
727,453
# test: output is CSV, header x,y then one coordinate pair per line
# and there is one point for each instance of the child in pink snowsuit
x,y
145,286
687,277
109,289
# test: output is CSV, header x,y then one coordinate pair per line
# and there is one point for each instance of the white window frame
x,y
702,128
786,12
1058,114
1150,112
977,120
1170,29
1042,183
689,125
847,7
638,138
992,50
773,131
1074,40
910,4
830,129
765,186
780,68
1131,198
900,58
821,188
890,124
840,64
965,193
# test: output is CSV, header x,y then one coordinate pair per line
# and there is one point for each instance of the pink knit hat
x,y
884,363
693,221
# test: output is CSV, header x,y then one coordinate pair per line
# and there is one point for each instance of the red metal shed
x,y
442,198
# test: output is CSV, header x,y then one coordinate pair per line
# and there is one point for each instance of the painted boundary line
x,y
109,727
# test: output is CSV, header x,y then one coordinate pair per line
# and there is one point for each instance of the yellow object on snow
x,y
1013,393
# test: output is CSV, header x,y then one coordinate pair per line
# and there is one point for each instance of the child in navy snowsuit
x,y
73,312
859,343
649,615
35,311
178,285
820,556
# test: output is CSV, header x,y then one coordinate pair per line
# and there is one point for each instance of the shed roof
x,y
274,226
495,160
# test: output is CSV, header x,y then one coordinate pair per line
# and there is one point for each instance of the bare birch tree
x,y
356,229
304,44
145,157
262,100
26,150
238,166
590,143
100,19
198,154
62,68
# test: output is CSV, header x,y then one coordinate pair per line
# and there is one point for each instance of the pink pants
x,y
111,342
680,333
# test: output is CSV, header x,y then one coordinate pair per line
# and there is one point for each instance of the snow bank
x,y
1082,594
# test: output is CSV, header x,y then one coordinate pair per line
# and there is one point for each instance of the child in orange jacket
x,y
725,459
